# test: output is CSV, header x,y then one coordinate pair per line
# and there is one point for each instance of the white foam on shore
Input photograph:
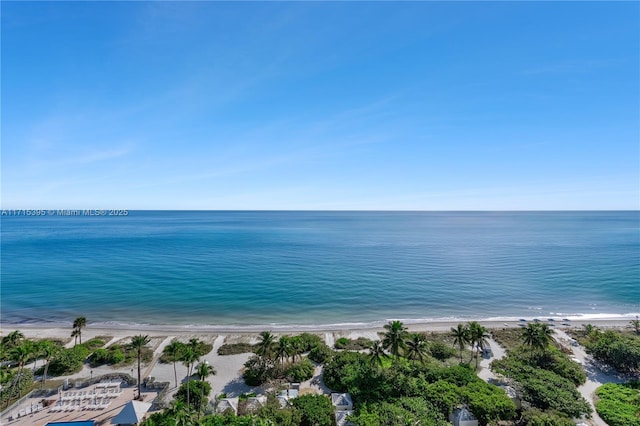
x,y
341,326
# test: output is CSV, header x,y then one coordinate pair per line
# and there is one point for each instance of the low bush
x,y
68,361
300,371
236,348
321,353
352,344
441,351
618,404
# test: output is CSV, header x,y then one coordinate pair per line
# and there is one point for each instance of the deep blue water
x,y
241,268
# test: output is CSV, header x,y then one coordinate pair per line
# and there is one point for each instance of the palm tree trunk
x,y
175,373
188,382
139,384
44,376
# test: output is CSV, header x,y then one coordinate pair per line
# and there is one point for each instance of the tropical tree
x,y
20,354
460,336
204,370
635,323
478,336
416,347
537,336
266,344
284,348
394,337
49,350
189,357
78,324
174,349
137,343
13,339
377,353
75,333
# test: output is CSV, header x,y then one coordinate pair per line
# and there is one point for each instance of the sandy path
x,y
596,377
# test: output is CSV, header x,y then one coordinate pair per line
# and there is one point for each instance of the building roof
x,y
341,418
341,399
462,414
227,403
132,413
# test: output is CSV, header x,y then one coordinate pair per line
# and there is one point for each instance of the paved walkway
x,y
596,376
498,353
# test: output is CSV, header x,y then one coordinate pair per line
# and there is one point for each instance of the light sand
x,y
228,378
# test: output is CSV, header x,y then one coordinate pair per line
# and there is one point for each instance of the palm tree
x,y
204,370
394,337
377,353
537,336
460,336
182,414
13,339
78,324
416,347
137,343
478,336
174,349
21,355
266,344
49,350
284,348
188,358
75,333
635,323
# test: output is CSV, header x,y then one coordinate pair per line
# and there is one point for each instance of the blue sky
x,y
393,106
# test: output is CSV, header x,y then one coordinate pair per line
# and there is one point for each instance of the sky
x,y
320,105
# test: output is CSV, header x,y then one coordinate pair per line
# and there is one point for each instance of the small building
x,y
131,414
461,416
342,401
341,418
227,404
255,403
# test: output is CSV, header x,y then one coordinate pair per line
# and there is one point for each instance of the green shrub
x,y
68,361
535,417
320,353
542,388
300,371
310,341
259,370
620,351
316,410
198,393
236,348
18,385
352,344
618,404
441,351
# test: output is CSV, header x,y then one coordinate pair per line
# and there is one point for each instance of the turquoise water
x,y
309,268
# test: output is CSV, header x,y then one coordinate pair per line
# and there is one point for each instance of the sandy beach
x,y
228,377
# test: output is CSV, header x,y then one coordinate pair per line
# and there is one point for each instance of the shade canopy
x,y
132,413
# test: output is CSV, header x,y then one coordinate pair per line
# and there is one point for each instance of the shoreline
x,y
437,325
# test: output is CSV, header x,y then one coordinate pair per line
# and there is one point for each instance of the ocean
x,y
245,268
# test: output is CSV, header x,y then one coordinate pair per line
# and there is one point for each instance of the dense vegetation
x,y
619,404
620,351
545,376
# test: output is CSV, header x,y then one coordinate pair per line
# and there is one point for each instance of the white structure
x,y
463,417
132,413
341,418
342,401
254,403
226,404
